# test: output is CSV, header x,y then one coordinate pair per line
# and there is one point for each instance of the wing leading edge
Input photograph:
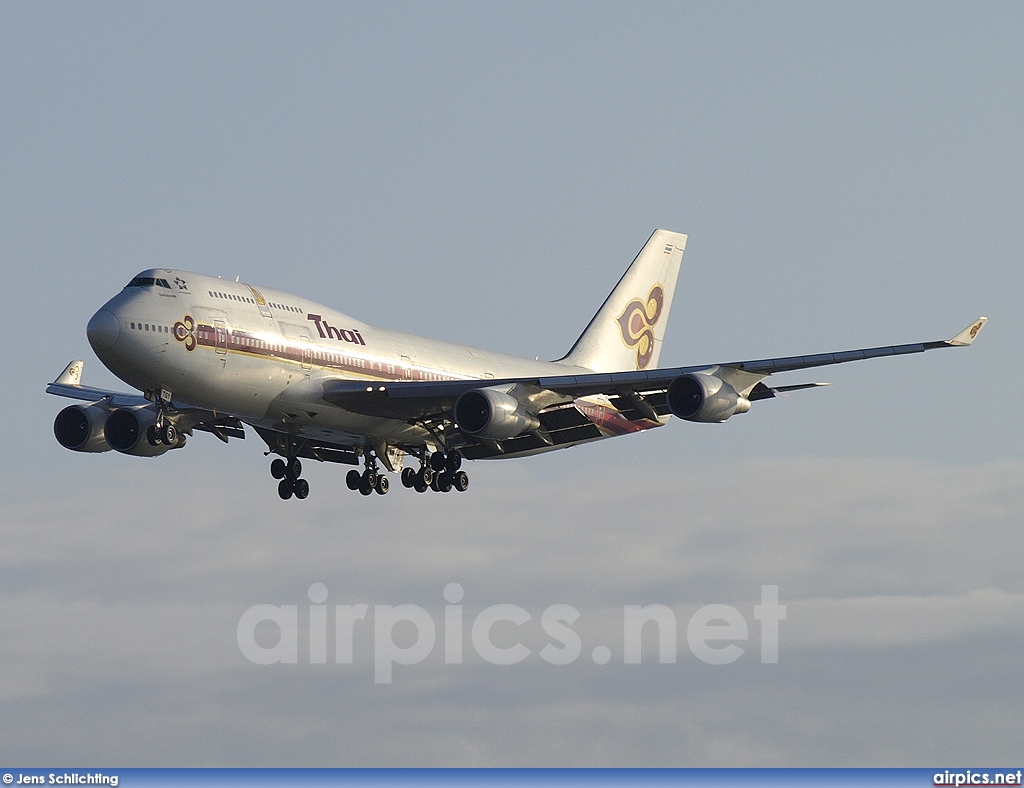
x,y
69,384
418,400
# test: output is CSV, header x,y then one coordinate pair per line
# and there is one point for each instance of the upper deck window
x,y
148,281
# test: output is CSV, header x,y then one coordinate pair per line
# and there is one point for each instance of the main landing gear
x,y
162,430
289,473
371,480
438,472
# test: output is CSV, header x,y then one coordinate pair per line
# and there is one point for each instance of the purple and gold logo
x,y
185,331
637,321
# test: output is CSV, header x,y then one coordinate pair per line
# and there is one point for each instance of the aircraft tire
x,y
408,477
420,487
170,435
453,462
285,489
460,481
152,436
294,469
381,485
437,461
444,483
353,479
278,469
301,489
365,489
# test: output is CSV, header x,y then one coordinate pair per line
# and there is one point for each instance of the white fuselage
x,y
259,354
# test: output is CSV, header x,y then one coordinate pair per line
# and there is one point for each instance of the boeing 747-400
x,y
315,384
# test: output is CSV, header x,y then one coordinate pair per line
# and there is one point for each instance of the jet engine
x,y
127,431
494,414
80,428
705,398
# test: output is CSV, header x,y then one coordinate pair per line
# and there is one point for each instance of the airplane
x,y
216,356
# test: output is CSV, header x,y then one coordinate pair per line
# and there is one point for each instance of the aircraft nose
x,y
103,330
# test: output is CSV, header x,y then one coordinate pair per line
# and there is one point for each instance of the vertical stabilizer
x,y
627,331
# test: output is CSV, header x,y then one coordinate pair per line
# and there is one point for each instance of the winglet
x,y
969,334
71,376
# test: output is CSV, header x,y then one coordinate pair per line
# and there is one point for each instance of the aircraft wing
x,y
641,392
68,384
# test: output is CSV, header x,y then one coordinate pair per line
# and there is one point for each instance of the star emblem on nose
x,y
180,283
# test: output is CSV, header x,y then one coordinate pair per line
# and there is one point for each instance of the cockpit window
x,y
148,281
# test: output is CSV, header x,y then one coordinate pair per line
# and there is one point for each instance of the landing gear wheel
x,y
420,487
408,477
294,469
170,435
437,461
381,485
435,483
364,488
278,468
353,479
427,475
460,481
444,482
153,436
285,489
301,489
452,462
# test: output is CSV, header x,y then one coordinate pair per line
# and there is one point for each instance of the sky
x,y
848,175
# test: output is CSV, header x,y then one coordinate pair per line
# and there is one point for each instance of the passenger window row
x,y
247,300
150,327
231,297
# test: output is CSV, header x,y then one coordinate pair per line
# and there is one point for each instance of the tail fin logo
x,y
637,321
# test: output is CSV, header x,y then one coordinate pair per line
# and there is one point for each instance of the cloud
x,y
120,601
886,621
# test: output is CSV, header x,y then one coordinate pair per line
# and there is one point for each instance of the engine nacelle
x,y
80,428
491,413
127,431
705,398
